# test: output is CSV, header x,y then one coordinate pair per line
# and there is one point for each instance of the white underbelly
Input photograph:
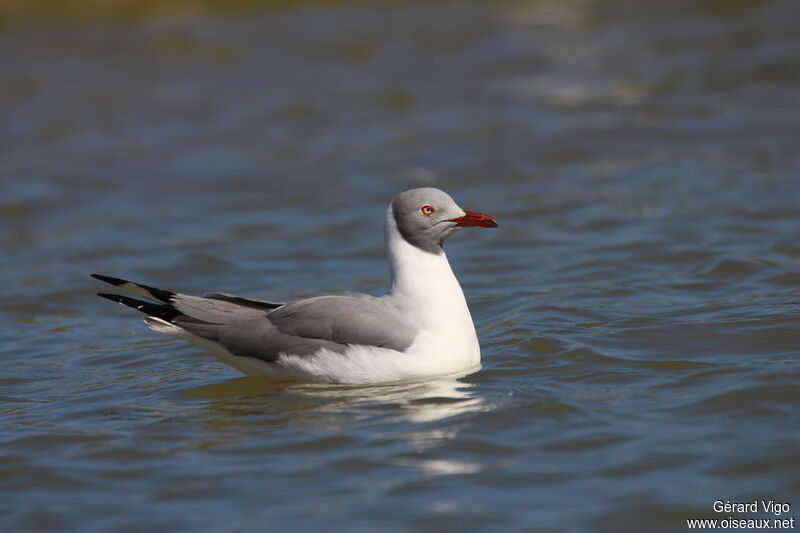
x,y
368,364
429,355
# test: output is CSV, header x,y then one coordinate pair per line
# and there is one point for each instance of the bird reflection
x,y
419,401
416,402
317,420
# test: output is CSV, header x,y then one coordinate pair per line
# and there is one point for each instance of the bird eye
x,y
426,210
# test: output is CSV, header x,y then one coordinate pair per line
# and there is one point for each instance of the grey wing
x,y
213,310
259,338
242,330
345,319
300,327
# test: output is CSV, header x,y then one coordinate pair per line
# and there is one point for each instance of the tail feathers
x,y
152,293
163,311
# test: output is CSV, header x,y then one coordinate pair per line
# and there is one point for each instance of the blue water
x,y
637,307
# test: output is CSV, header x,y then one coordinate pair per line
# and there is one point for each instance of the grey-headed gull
x,y
420,328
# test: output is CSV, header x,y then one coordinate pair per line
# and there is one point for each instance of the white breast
x,y
425,288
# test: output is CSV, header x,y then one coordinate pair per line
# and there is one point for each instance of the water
x,y
637,308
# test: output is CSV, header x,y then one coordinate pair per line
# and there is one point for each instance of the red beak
x,y
475,219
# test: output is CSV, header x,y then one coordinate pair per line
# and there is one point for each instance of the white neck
x,y
424,283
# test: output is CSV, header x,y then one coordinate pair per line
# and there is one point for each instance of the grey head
x,y
426,216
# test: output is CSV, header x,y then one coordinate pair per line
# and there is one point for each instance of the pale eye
x,y
426,210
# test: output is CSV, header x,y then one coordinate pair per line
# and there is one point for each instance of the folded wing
x,y
265,330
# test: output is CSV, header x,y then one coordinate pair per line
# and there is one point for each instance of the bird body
x,y
421,328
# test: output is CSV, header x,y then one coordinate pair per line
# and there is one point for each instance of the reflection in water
x,y
424,401
338,417
421,401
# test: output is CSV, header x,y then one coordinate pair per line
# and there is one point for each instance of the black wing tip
x,y
120,299
109,279
157,294
163,311
241,300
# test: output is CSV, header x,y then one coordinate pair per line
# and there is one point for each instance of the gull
x,y
420,328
